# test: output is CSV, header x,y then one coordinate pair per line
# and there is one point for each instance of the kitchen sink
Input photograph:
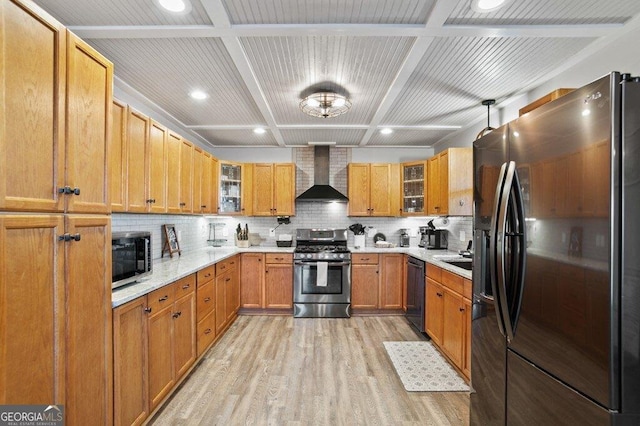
x,y
459,263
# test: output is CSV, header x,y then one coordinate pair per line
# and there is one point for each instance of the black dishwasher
x,y
415,293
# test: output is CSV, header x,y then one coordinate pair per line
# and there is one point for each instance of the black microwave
x,y
130,257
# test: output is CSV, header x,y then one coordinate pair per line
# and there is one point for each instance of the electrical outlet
x,y
272,232
463,236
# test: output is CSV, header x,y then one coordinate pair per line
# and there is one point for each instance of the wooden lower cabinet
x,y
131,360
172,336
391,283
266,281
161,378
377,281
448,315
227,292
434,310
205,309
158,338
278,281
252,276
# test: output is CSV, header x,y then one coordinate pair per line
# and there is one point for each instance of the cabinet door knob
x,y
147,310
177,314
439,294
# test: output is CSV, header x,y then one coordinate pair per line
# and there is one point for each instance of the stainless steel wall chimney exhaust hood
x,y
321,190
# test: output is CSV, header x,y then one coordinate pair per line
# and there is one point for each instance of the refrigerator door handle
x,y
496,249
518,238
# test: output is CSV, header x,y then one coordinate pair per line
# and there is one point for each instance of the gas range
x,y
321,244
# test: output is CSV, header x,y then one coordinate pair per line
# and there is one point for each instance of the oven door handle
x,y
307,263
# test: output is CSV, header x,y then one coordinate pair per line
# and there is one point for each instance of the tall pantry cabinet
x,y
55,233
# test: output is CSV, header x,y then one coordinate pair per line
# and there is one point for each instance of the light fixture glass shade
x,y
325,104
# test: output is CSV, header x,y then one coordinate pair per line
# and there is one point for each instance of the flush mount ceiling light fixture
x,y
486,6
488,129
325,104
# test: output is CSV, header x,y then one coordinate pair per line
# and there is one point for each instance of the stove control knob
x,y
341,256
308,256
335,256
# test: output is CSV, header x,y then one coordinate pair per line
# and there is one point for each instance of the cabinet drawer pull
x,y
186,286
207,299
227,280
207,275
203,206
439,294
162,299
207,331
365,258
177,314
279,258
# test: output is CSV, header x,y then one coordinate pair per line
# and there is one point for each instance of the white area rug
x,y
423,369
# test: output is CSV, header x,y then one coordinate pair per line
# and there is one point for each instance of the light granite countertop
x,y
168,270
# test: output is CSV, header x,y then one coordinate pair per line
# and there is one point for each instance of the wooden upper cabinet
x,y
450,182
137,160
206,204
284,192
174,142
374,189
414,188
196,186
359,184
32,92
88,114
215,169
262,189
118,156
157,177
273,189
186,176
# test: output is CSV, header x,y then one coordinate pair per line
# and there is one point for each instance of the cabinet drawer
x,y
434,272
364,258
205,299
206,332
161,298
185,286
279,258
206,274
225,265
452,281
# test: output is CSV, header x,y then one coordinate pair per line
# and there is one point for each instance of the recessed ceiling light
x,y
484,6
259,130
198,94
386,131
175,6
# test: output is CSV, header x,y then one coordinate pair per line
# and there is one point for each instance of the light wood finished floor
x,y
283,371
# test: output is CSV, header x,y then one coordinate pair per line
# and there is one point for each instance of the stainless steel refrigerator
x,y
556,279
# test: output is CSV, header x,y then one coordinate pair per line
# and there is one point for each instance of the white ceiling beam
x,y
440,12
413,58
364,30
218,15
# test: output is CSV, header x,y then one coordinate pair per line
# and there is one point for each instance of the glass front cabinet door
x,y
414,188
230,188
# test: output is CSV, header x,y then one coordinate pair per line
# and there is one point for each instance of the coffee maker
x,y
432,238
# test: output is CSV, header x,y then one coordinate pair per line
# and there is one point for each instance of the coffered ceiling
x,y
420,67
